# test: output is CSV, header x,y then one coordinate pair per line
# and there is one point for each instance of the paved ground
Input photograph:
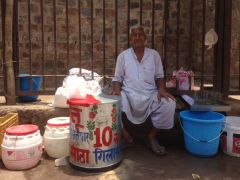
x,y
138,163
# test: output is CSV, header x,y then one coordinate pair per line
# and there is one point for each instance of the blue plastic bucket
x,y
25,84
202,131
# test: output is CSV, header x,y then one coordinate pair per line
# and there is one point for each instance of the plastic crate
x,y
6,121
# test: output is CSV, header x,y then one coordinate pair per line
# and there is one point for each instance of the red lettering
x,y
75,115
97,134
105,141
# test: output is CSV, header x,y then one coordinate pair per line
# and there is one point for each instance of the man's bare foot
x,y
127,136
156,148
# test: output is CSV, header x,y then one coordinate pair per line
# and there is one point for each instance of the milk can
x,y
95,132
56,137
21,147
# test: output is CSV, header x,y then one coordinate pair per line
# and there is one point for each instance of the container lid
x,y
21,130
59,121
106,99
233,121
89,100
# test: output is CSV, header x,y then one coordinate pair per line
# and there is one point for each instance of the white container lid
x,y
233,122
59,121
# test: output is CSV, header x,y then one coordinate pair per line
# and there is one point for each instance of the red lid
x,y
21,130
83,102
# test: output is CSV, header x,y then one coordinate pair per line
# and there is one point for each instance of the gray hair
x,y
136,26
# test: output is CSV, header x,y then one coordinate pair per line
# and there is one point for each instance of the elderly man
x,y
139,79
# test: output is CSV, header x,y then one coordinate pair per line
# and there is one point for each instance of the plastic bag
x,y
60,98
93,81
78,84
181,79
211,38
76,87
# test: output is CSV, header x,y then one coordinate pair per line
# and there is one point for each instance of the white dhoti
x,y
138,105
163,112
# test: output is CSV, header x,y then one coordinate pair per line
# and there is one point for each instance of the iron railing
x,y
93,38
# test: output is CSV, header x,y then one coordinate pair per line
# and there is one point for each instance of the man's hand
x,y
165,95
117,86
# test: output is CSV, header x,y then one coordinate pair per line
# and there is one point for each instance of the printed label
x,y
236,143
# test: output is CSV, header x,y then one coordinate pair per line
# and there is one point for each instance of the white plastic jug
x,y
56,137
231,136
21,147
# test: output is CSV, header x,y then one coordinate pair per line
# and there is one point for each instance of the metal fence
x,y
50,37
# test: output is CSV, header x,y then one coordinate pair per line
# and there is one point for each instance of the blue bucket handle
x,y
205,141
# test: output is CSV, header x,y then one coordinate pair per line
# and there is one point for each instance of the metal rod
x,y
67,26
104,41
191,45
128,23
203,39
227,46
55,42
15,42
30,44
92,37
3,16
116,30
153,23
239,63
178,34
42,41
141,11
79,36
165,35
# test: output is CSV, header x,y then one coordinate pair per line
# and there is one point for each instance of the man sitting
x,y
139,79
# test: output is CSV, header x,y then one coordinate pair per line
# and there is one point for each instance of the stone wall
x,y
71,45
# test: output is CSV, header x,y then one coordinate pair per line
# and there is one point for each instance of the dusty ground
x,y
137,162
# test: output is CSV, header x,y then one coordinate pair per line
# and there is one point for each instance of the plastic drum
x,y
21,147
57,135
95,133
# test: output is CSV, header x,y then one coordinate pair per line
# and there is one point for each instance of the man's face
x,y
137,38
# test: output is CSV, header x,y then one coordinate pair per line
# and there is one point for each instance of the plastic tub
x,y
231,136
202,131
21,147
57,132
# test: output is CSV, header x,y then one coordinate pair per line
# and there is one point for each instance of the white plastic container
x,y
56,137
231,136
95,133
21,147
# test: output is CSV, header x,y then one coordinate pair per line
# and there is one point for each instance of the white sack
x,y
60,98
78,84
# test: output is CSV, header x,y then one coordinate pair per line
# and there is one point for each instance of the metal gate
x,y
50,37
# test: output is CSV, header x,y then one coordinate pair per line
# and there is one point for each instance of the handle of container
x,y
202,140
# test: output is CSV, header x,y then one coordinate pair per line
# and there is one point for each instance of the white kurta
x,y
139,90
